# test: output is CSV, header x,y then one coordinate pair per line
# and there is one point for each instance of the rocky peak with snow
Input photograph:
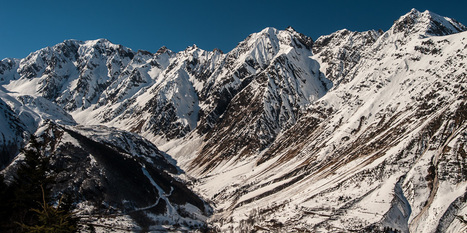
x,y
372,154
73,73
426,24
305,40
267,81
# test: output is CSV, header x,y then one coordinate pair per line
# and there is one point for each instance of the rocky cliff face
x,y
341,51
276,80
357,131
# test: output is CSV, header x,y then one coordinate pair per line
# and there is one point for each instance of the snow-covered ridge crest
x,y
425,24
21,115
72,73
103,83
339,52
167,95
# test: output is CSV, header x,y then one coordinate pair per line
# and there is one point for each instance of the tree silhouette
x,y
52,219
25,202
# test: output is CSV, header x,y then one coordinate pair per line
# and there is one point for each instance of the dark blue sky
x,y
27,26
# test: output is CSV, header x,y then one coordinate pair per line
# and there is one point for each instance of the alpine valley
x,y
352,132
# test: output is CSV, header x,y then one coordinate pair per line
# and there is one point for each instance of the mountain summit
x,y
426,24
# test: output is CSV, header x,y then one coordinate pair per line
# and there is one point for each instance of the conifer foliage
x,y
26,204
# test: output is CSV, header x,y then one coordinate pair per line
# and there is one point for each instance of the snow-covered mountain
x,y
383,149
357,131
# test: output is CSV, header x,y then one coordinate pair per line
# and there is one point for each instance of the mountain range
x,y
353,131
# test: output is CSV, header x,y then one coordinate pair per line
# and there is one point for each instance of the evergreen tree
x,y
26,187
25,203
52,219
6,198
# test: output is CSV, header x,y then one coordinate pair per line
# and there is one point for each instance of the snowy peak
x,y
72,73
375,153
426,24
262,89
305,40
268,41
273,40
163,50
339,52
106,47
169,95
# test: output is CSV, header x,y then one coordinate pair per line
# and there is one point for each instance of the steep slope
x,y
384,149
21,116
341,51
175,94
165,96
261,90
167,106
118,180
12,131
424,24
8,68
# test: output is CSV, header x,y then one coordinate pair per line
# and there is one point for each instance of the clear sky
x,y
29,25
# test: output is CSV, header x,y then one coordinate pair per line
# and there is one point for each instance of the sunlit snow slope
x,y
384,149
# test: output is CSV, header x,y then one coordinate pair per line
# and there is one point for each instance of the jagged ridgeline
x,y
356,131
